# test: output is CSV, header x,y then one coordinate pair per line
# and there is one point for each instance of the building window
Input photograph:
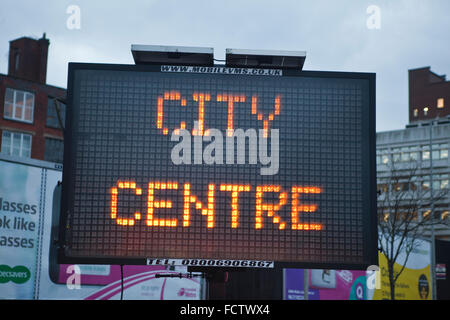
x,y
425,111
439,151
416,112
444,181
440,182
414,184
382,156
16,144
425,182
443,151
436,185
445,215
426,214
440,103
52,115
54,150
405,154
19,105
414,156
435,152
409,154
426,152
383,187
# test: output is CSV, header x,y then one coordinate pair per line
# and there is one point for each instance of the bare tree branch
x,y
400,204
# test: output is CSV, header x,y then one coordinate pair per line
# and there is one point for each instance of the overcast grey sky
x,y
412,34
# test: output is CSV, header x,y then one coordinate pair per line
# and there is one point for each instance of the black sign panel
x,y
219,166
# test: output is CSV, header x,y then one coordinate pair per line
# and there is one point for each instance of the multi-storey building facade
x,y
416,161
30,119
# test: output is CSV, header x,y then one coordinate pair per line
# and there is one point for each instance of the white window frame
x,y
11,143
25,94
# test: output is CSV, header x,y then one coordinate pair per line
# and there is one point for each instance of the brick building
x,y
429,95
29,122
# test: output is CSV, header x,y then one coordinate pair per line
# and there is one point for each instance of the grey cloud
x,y
413,34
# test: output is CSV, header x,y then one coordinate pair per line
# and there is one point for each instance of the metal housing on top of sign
x,y
217,164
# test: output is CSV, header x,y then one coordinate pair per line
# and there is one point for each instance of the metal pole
x,y
433,253
206,286
306,284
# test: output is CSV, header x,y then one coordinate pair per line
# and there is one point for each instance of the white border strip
x,y
279,53
143,48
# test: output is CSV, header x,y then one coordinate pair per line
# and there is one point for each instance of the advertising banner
x,y
20,213
414,283
325,285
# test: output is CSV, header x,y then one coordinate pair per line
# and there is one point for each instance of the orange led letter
x,y
114,196
152,204
296,208
208,212
231,99
234,189
171,96
276,112
200,98
270,208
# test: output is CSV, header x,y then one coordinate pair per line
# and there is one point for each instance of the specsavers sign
x,y
20,212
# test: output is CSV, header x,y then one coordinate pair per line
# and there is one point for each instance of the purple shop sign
x,y
325,284
294,286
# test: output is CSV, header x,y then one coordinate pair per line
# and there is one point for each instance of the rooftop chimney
x,y
28,58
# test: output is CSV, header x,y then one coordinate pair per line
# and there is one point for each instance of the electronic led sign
x,y
219,166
